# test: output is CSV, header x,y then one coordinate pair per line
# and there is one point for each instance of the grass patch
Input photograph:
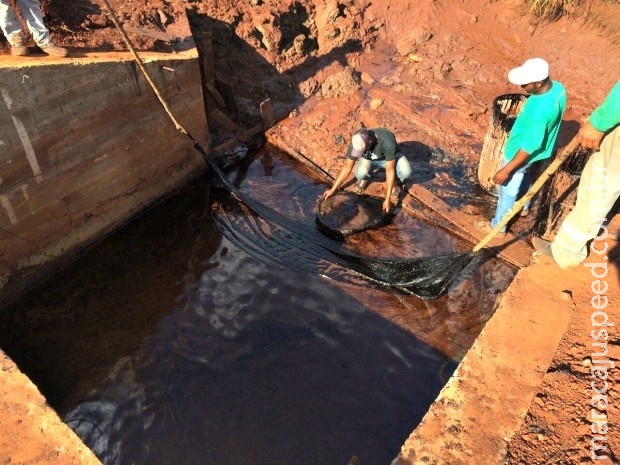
x,y
553,9
603,15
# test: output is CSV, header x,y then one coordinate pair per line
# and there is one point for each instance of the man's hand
x,y
387,205
328,193
501,176
344,173
589,137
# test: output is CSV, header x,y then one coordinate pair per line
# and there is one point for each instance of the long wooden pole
x,y
141,65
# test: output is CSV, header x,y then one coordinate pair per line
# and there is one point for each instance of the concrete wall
x,y
85,145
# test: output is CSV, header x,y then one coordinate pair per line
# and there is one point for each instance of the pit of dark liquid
x,y
167,344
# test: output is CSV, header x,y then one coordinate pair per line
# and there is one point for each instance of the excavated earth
x,y
428,70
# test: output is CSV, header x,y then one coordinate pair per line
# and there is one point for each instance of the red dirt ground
x,y
432,68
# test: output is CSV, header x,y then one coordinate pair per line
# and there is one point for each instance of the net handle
x,y
552,168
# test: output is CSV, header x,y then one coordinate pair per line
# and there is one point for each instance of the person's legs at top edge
x,y
12,29
8,20
31,11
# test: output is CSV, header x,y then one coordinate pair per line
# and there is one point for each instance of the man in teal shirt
x,y
598,191
532,137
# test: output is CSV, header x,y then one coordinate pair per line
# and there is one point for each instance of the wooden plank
x,y
215,94
226,92
244,136
153,34
511,248
206,46
222,119
240,136
266,113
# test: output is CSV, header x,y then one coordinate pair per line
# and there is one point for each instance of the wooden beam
x,y
511,248
241,136
244,136
226,92
266,113
208,65
153,34
215,94
224,120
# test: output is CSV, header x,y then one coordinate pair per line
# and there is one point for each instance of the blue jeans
x,y
517,185
31,11
364,166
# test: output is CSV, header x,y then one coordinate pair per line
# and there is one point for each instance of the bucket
x,y
505,110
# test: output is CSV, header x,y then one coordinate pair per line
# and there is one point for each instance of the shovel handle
x,y
552,168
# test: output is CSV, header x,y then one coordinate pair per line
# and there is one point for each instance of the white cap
x,y
533,70
361,141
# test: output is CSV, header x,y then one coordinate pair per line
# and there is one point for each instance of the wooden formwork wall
x,y
84,147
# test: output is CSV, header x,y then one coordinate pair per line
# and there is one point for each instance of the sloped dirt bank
x,y
572,418
427,70
31,432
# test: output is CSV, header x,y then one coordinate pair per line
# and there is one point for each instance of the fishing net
x,y
506,108
277,240
560,192
268,235
273,238
346,213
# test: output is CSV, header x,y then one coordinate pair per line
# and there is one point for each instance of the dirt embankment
x,y
442,61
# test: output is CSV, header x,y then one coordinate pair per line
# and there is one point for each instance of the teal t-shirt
x,y
607,114
536,127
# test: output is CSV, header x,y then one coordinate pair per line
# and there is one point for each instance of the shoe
x,y
55,50
360,186
485,227
18,47
542,246
524,212
19,50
